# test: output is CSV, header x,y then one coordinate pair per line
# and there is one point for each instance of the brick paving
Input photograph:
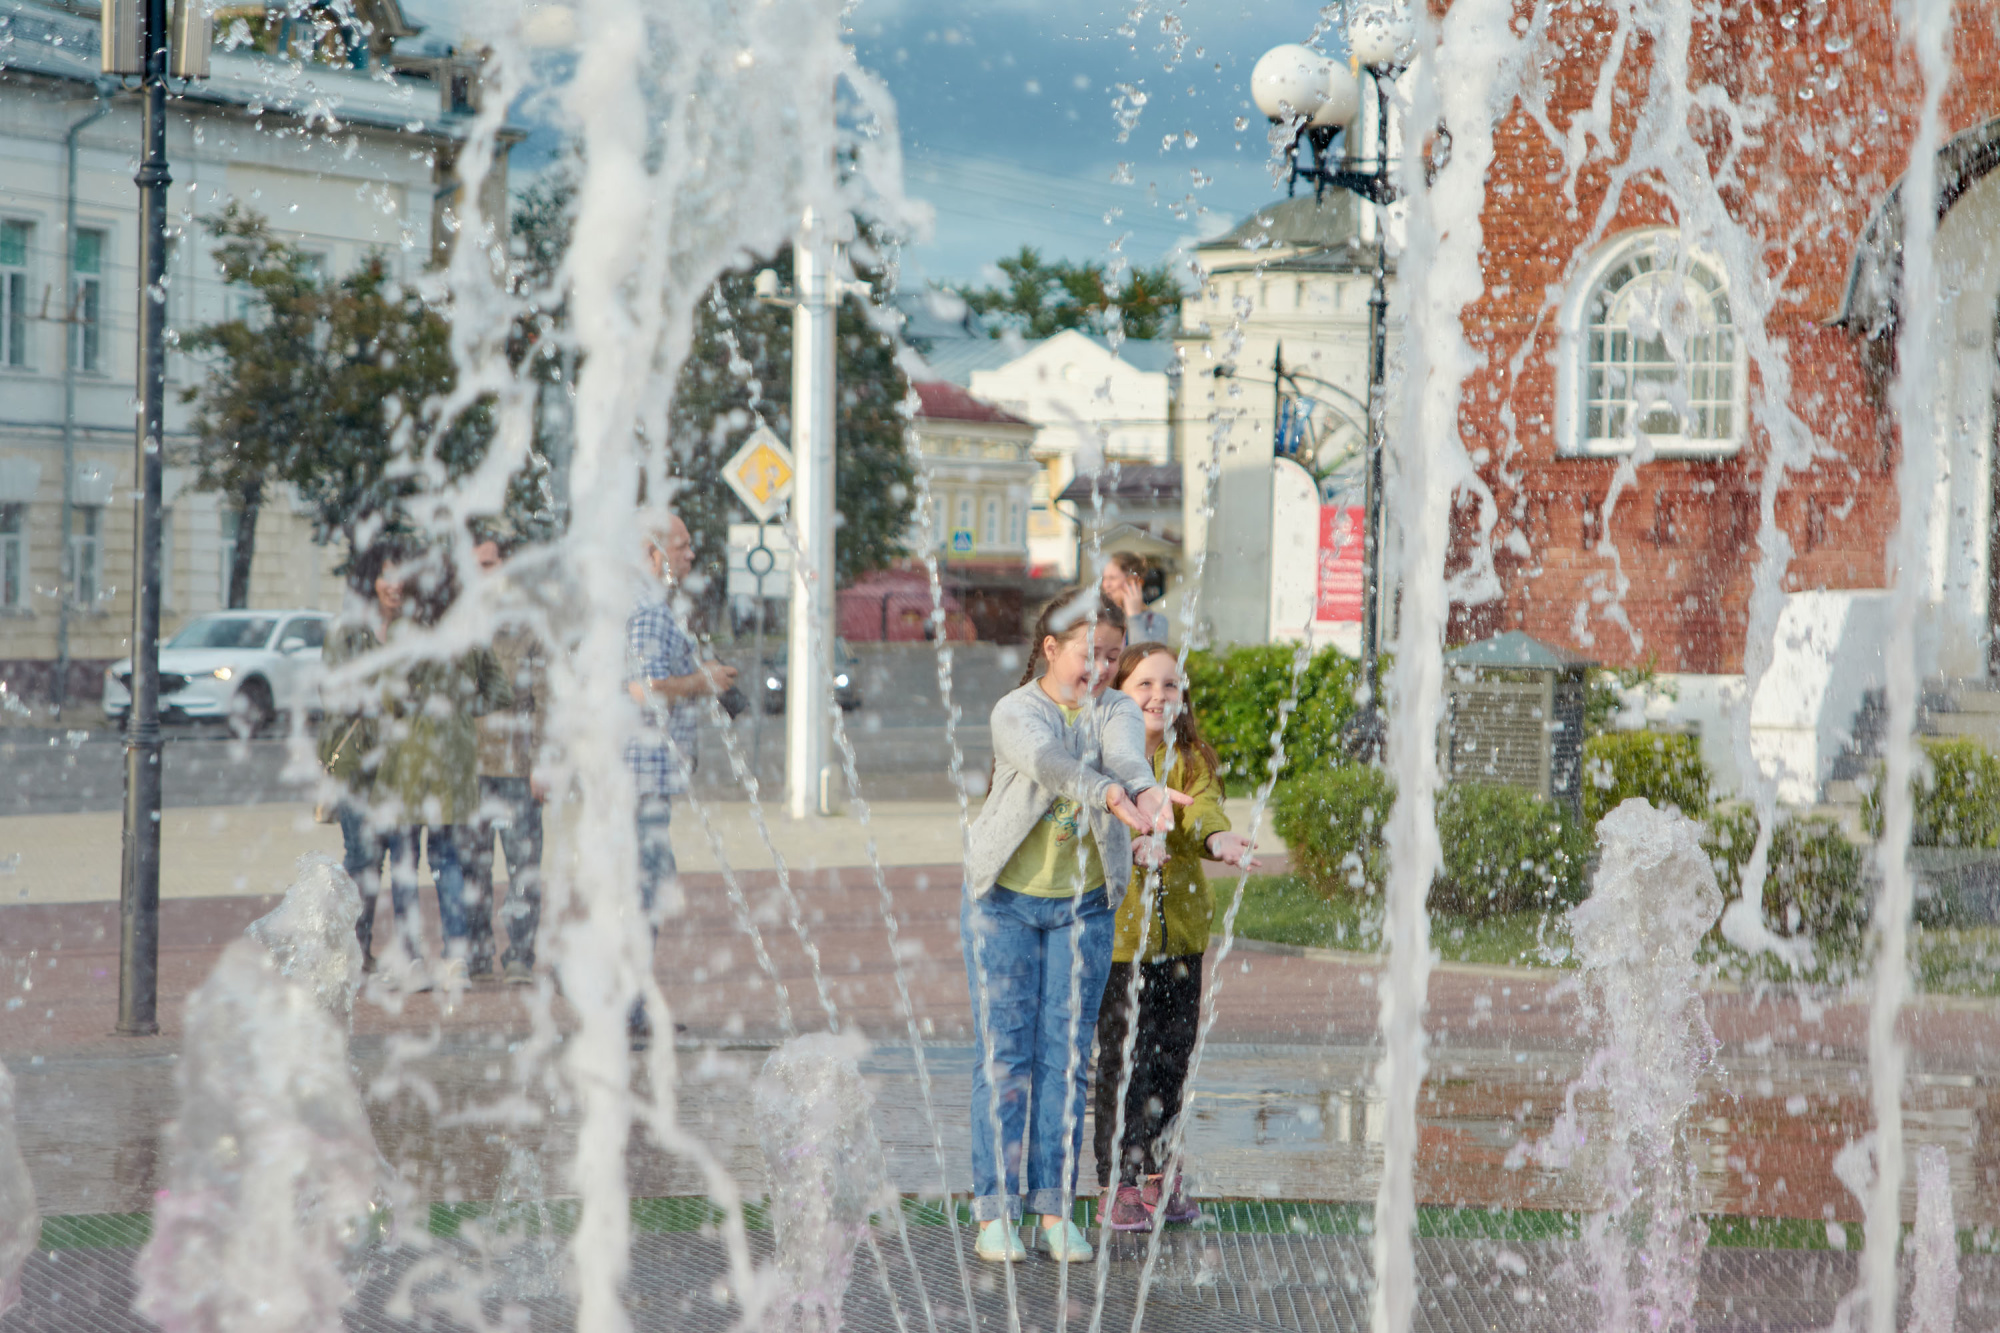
x,y
1284,1106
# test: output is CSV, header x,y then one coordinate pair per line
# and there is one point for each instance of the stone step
x,y
1983,727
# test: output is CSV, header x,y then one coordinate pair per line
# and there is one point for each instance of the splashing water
x,y
1934,1292
1655,897
523,1253
271,1170
311,935
826,1167
20,1221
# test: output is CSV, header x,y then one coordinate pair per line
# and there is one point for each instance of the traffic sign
x,y
961,541
761,473
760,561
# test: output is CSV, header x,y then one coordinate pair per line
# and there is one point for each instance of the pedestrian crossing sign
x,y
761,474
961,541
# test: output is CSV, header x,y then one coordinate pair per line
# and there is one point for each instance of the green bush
x,y
1958,801
1332,822
1813,884
1505,850
1664,767
1239,695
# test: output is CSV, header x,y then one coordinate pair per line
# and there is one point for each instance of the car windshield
x,y
225,632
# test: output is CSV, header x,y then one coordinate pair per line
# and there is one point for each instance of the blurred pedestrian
x,y
667,678
1124,584
429,775
1047,863
350,742
1162,930
511,793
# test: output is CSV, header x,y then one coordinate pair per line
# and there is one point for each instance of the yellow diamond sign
x,y
761,474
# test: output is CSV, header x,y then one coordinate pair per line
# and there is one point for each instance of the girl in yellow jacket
x,y
1163,928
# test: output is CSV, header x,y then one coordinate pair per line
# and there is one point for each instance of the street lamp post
x,y
1297,86
135,42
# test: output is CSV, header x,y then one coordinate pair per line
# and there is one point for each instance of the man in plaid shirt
x,y
666,679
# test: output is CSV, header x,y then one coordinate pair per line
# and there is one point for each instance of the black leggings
x,y
1169,1012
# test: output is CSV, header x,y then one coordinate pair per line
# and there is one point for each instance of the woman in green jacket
x,y
1163,927
421,758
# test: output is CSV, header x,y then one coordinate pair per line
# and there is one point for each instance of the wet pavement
x,y
1283,1105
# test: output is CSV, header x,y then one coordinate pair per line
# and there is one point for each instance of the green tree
x,y
323,385
1043,297
738,373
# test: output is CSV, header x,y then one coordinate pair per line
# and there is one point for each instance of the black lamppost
x,y
135,41
1320,99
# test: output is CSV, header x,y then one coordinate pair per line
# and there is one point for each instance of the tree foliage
x,y
1043,297
322,384
739,373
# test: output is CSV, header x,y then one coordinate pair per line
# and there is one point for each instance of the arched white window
x,y
1650,350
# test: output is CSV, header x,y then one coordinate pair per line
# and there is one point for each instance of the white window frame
x,y
989,523
86,556
15,583
17,319
1655,251
87,304
1017,523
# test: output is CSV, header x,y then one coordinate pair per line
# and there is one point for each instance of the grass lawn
x,y
1284,909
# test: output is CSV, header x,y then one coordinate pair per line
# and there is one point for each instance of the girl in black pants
x,y
1173,914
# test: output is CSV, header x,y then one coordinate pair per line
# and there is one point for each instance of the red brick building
x,y
1582,264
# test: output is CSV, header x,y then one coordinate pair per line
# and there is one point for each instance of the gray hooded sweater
x,y
1038,757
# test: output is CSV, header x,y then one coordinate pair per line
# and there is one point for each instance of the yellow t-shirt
x,y
1059,859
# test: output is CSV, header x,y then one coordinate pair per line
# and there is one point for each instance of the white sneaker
x,y
1064,1243
1000,1242
451,977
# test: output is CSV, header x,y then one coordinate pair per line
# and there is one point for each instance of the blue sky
x,y
1011,133
1010,118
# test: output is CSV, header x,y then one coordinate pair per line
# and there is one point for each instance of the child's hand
x,y
1150,851
1151,813
1232,849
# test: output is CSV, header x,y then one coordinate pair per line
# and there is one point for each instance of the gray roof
x,y
1320,234
1156,482
1516,651
1155,356
954,359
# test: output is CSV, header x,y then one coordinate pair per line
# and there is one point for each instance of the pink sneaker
x,y
1178,1207
1128,1211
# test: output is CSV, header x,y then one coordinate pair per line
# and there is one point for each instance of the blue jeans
x,y
440,843
656,853
365,846
509,811
1044,961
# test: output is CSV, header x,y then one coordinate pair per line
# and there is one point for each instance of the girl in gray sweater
x,y
1048,860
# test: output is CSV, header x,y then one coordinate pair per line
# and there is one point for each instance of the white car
x,y
245,667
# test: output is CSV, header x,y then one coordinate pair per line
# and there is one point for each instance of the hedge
x,y
1813,882
1505,850
1239,695
1664,767
1958,802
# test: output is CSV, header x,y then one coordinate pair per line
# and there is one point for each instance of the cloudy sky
x,y
1011,113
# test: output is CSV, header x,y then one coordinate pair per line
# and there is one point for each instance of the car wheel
x,y
251,712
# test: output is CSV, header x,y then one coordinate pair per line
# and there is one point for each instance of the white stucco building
x,y
1292,279
344,140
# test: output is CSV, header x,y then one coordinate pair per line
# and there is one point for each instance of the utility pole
x,y
135,41
808,684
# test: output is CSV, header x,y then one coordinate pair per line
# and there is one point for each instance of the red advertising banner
x,y
1340,564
